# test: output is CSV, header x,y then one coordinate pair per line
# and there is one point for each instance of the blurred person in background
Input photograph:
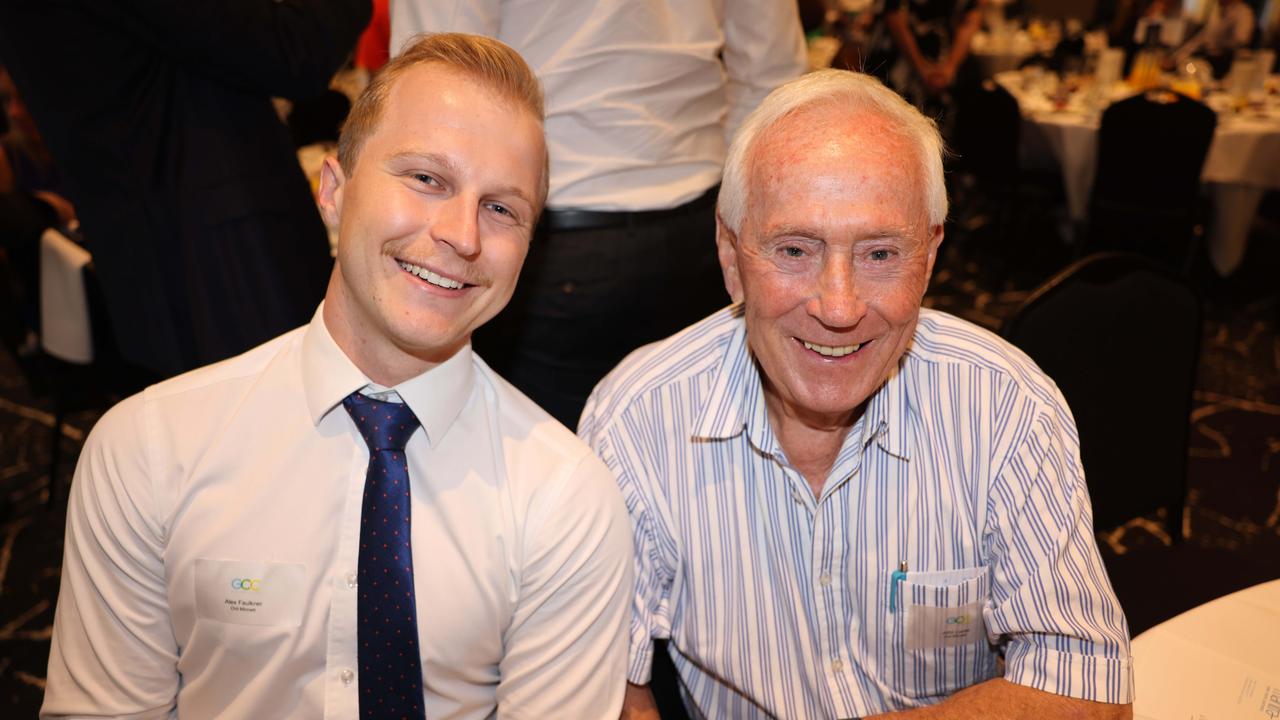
x,y
203,229
1164,18
931,40
643,97
1230,27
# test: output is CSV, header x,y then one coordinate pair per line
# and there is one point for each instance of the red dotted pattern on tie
x,y
387,630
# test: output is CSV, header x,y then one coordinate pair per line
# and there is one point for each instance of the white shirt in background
x,y
639,106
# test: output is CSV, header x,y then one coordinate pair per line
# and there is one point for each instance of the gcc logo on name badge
x,y
958,620
247,584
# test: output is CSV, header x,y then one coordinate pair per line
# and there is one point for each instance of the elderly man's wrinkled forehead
x,y
827,127
834,132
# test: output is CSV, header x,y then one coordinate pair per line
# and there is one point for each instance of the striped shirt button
x,y
824,579
837,666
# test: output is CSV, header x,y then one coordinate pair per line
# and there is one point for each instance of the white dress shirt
x,y
640,107
251,470
965,466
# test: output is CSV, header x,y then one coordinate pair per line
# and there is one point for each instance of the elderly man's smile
x,y
831,351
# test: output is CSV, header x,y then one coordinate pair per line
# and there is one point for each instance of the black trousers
x,y
588,297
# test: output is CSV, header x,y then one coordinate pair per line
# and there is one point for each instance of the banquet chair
x,y
985,137
1120,335
996,201
1146,192
82,368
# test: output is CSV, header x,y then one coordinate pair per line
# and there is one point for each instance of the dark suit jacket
x,y
158,114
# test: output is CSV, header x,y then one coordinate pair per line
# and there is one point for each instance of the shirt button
x,y
837,666
348,676
825,579
351,581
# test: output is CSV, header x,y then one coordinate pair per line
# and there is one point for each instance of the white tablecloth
x,y
1220,661
1243,163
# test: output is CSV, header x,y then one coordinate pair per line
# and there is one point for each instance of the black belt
x,y
561,220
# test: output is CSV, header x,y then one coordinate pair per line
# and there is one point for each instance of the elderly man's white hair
x,y
841,90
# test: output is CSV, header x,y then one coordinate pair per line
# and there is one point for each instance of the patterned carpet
x,y
1233,517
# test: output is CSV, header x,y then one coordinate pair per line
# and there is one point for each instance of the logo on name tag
x,y
250,592
938,627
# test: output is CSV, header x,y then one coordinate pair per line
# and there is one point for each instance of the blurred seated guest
x,y
931,40
203,228
845,505
25,163
359,518
1230,28
1166,20
30,203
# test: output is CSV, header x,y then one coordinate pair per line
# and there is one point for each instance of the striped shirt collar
x,y
736,404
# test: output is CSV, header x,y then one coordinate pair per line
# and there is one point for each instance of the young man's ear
x,y
329,196
727,249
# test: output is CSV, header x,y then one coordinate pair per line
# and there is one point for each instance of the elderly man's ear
x,y
329,196
934,241
727,248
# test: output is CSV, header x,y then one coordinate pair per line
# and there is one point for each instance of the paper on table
x,y
1196,683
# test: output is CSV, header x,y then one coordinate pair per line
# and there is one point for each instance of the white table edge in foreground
x,y
1214,661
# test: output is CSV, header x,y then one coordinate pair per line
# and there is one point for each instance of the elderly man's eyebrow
x,y
890,234
447,163
790,230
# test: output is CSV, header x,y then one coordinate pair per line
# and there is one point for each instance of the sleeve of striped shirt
x,y
650,616
1051,597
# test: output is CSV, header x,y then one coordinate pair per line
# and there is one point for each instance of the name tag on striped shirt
x,y
939,627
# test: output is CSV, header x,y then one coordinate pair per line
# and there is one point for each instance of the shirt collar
x,y
736,403
885,420
737,383
436,396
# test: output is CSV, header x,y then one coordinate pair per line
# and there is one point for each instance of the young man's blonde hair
x,y
485,60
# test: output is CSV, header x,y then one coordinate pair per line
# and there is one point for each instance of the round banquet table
x,y
1242,164
1219,661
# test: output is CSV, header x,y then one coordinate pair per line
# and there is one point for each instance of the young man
x,y
272,536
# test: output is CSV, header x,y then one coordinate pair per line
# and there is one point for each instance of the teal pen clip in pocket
x,y
898,575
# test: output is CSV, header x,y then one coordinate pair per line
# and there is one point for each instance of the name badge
x,y
247,592
935,627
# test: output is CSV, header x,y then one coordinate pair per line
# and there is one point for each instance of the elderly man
x,y
845,505
272,537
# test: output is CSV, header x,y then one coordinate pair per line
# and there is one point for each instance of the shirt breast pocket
x,y
939,632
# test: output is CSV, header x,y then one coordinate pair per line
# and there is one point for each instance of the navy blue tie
x,y
387,617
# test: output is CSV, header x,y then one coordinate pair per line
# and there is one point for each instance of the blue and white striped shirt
x,y
965,466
